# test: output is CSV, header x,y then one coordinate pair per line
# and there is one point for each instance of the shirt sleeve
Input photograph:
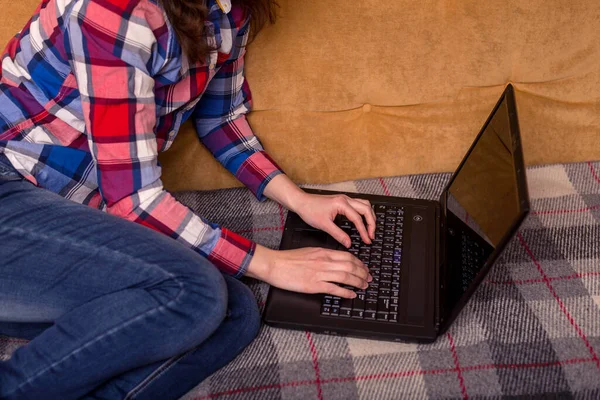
x,y
111,54
221,124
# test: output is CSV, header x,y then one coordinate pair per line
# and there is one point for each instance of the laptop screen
x,y
482,202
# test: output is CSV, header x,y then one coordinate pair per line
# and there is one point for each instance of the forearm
x,y
285,192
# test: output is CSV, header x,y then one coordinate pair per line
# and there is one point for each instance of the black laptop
x,y
428,257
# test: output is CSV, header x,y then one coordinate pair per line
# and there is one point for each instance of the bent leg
x,y
110,291
172,378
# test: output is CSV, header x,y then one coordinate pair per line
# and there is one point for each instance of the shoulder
x,y
112,14
128,29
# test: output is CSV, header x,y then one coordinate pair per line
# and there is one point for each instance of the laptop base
x,y
417,295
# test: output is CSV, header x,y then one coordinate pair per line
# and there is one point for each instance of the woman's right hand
x,y
309,270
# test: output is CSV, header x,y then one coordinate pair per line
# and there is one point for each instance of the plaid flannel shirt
x,y
92,90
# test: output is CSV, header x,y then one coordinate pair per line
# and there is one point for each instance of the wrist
x,y
298,201
260,265
282,190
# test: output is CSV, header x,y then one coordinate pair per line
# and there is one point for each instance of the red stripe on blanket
x,y
315,359
463,389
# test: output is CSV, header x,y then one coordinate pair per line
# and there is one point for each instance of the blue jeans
x,y
114,309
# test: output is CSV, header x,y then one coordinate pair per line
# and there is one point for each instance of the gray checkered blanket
x,y
531,329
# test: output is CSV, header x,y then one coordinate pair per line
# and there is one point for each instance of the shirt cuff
x,y
257,171
232,253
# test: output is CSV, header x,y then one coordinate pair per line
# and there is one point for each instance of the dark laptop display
x,y
428,257
482,204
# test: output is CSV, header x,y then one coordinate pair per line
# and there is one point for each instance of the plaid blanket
x,y
532,328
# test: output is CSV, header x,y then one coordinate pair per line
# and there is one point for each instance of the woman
x,y
91,91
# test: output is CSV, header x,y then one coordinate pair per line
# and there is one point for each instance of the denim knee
x,y
243,310
195,304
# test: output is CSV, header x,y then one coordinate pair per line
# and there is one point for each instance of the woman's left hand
x,y
319,211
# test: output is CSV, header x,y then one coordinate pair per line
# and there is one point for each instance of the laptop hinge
x,y
440,273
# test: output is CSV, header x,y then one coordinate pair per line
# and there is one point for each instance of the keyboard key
x,y
325,310
357,314
383,305
384,293
371,304
393,308
371,308
345,224
359,302
335,311
345,312
370,314
346,303
393,317
381,316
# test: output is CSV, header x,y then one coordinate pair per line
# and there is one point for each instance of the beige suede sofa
x,y
355,89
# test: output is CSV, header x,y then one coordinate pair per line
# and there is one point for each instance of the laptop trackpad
x,y
312,238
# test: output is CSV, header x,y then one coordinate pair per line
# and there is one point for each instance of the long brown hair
x,y
187,17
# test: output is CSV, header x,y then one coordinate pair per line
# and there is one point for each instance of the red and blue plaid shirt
x,y
92,90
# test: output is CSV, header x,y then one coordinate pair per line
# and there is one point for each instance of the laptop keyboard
x,y
379,301
473,257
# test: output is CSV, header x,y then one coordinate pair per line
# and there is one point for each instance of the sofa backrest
x,y
365,88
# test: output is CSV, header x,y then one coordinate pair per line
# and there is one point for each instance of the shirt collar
x,y
224,5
